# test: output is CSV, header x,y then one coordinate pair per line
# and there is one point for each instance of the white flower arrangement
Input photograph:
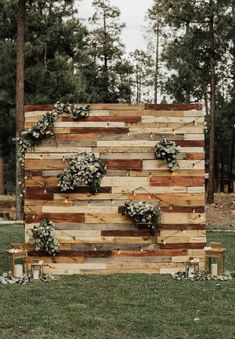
x,y
166,149
74,110
43,237
84,168
143,213
45,126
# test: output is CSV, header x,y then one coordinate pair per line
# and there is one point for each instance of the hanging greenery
x,y
84,168
44,239
45,126
143,213
166,149
75,112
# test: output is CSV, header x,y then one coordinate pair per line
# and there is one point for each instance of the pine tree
x,y
142,77
107,52
194,52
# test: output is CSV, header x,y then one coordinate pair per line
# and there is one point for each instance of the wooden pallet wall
x,y
95,237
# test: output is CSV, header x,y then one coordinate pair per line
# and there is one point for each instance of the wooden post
x,y
20,101
1,176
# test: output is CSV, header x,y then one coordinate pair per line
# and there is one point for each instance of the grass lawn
x,y
117,306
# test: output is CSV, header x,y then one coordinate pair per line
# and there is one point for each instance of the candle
x,y
214,269
18,271
190,271
36,274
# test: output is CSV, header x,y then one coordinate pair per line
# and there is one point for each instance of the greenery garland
x,y
166,149
43,237
84,168
45,126
143,213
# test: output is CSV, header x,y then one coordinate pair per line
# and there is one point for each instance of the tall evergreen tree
x,y
108,51
194,54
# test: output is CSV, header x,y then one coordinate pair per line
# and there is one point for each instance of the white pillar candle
x,y
18,271
190,271
214,269
35,274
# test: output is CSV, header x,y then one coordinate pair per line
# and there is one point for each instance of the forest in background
x,y
190,57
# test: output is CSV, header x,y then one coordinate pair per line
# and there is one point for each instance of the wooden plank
x,y
188,130
94,218
195,245
99,130
181,226
54,217
171,119
155,164
93,125
124,181
44,164
190,143
128,119
124,164
176,107
185,218
80,209
164,172
176,181
72,136
195,156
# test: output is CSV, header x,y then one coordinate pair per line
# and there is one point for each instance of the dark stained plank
x,y
195,156
38,192
183,209
55,217
99,130
135,165
176,181
128,119
190,143
196,245
173,107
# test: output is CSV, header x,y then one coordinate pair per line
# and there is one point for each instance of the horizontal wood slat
x,y
94,234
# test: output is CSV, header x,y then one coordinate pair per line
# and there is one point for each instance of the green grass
x,y
118,306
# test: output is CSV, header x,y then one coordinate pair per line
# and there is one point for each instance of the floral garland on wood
x,y
44,239
143,213
166,149
45,126
84,168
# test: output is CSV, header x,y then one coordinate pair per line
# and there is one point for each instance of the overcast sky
x,y
132,13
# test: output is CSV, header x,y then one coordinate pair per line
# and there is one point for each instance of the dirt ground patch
x,y
221,214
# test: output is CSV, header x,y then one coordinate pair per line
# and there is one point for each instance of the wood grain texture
x,y
95,237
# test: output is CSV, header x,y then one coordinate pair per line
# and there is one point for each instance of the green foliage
x,y
142,74
166,149
143,213
44,239
83,168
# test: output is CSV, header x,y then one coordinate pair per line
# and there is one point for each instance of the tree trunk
x,y
156,73
20,104
1,175
230,175
222,149
210,192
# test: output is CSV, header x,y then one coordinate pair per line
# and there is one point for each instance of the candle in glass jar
x,y
18,271
214,269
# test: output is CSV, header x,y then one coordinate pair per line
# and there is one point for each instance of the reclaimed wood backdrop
x,y
95,237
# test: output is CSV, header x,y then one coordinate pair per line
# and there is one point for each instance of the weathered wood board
x,y
95,237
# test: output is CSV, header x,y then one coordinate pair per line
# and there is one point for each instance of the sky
x,y
132,13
